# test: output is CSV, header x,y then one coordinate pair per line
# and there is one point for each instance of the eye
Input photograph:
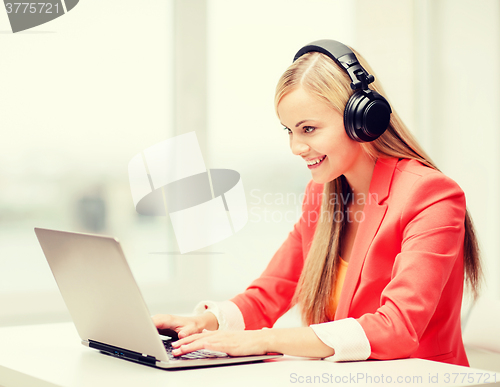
x,y
308,129
288,130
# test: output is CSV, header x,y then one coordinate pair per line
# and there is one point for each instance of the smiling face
x,y
317,134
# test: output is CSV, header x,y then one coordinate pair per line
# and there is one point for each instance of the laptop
x,y
106,304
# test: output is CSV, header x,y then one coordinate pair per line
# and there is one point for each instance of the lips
x,y
315,162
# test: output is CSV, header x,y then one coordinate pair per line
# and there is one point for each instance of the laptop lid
x,y
100,291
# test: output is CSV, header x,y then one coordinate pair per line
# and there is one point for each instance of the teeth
x,y
314,162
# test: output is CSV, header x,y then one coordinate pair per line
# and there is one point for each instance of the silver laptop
x,y
106,304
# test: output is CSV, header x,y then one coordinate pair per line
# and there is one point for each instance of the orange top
x,y
338,287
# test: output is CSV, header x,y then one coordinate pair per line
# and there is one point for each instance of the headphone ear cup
x,y
366,116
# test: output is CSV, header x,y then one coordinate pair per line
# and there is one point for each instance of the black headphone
x,y
367,113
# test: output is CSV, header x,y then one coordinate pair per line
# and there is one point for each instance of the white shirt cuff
x,y
346,337
227,313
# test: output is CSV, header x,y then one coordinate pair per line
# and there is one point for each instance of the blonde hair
x,y
324,79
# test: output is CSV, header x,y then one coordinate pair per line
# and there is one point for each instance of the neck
x,y
360,176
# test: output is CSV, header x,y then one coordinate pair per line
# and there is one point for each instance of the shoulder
x,y
410,167
417,187
411,176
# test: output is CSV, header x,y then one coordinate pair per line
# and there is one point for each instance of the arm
x,y
290,341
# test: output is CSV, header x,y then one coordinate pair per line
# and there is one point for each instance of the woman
x,y
377,261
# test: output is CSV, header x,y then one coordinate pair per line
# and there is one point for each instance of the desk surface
x,y
51,355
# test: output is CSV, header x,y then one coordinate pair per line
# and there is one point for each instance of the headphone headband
x,y
344,57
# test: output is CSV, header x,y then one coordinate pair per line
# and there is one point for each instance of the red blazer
x,y
405,277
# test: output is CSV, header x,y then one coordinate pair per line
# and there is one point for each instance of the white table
x,y
51,355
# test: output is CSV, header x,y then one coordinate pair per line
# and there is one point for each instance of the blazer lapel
x,y
374,214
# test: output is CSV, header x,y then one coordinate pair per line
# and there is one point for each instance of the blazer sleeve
x,y
270,296
432,229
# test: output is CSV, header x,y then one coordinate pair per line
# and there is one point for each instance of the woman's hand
x,y
185,326
290,341
234,343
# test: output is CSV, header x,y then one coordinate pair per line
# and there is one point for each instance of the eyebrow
x,y
300,122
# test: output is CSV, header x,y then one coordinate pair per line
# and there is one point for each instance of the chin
x,y
320,180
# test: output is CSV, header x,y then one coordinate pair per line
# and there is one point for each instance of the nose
x,y
298,146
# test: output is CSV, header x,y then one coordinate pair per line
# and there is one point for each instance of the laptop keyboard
x,y
200,354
